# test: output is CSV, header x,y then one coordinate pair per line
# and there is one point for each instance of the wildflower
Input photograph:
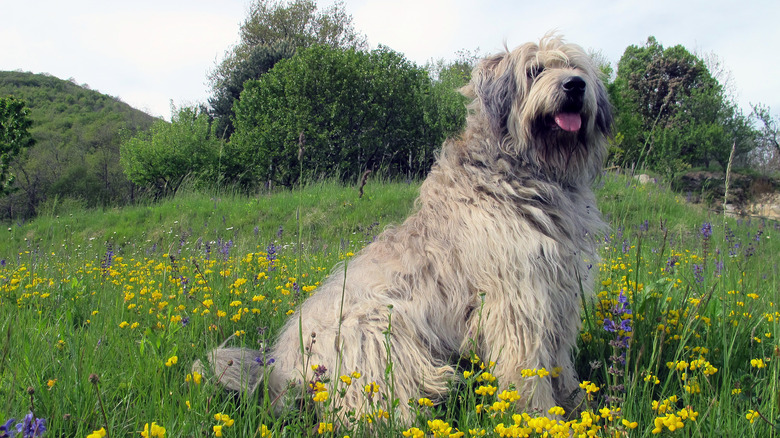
x,y
629,424
486,390
264,431
346,379
7,430
51,383
706,230
751,416
217,430
100,433
425,402
31,427
757,363
194,377
153,431
325,427
556,410
413,433
171,361
439,428
321,397
371,388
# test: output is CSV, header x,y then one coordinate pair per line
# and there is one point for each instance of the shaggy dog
x,y
493,261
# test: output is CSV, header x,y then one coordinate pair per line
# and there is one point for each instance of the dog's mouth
x,y
570,122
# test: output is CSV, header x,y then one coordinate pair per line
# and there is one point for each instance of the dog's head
x,y
546,105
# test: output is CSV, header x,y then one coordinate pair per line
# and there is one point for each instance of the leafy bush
x,y
351,111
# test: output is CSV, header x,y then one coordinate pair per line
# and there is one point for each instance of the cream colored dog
x,y
493,261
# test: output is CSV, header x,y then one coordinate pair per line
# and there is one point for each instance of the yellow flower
x,y
321,397
100,433
264,432
557,410
486,390
153,431
757,363
413,433
51,383
194,377
425,402
123,324
346,379
217,430
751,415
325,427
171,361
630,424
371,388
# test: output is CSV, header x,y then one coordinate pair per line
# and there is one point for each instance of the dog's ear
x,y
493,84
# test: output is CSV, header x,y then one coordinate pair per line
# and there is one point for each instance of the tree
x,y
357,111
766,155
163,157
274,31
14,136
671,112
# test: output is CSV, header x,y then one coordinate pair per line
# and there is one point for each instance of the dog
x,y
493,261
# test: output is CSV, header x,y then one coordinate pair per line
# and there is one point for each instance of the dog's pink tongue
x,y
569,121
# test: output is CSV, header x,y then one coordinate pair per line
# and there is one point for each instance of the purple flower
x,y
31,427
609,325
7,430
706,230
185,321
698,273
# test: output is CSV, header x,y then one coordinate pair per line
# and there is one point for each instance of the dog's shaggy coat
x,y
494,260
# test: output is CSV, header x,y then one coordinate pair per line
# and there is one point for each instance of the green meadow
x,y
102,313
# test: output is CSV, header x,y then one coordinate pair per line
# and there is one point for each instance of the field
x,y
103,313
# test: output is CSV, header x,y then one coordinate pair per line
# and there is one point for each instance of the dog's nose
x,y
574,85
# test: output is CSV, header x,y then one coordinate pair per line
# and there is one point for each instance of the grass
x,y
103,312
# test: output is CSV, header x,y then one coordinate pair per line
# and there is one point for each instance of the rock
x,y
644,179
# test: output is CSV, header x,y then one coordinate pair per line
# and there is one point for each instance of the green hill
x,y
75,158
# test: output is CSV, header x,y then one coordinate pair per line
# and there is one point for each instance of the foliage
x,y
274,30
766,155
672,113
680,339
168,153
75,158
355,111
14,136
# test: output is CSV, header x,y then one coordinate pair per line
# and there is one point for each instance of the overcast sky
x,y
149,53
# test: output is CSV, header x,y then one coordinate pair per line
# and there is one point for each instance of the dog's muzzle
x,y
569,119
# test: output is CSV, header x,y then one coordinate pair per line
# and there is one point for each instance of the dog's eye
x,y
534,71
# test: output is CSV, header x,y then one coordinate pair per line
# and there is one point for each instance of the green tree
x,y
163,157
671,112
357,111
274,30
766,155
14,136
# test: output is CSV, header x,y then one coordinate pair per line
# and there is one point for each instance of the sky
x,y
152,54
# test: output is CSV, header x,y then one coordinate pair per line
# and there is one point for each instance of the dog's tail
x,y
237,369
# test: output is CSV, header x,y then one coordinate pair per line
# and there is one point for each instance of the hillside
x,y
75,158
